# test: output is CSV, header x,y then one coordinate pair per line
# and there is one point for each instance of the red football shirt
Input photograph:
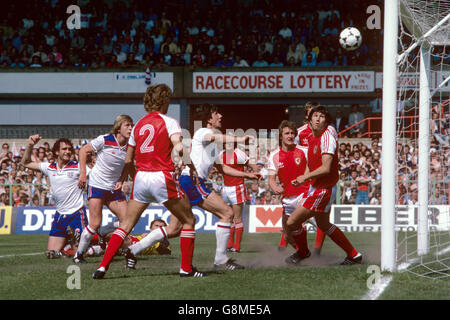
x,y
288,165
317,146
151,138
303,134
235,160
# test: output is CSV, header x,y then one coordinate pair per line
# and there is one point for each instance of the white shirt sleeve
x,y
98,143
43,166
241,156
328,143
172,126
131,140
273,163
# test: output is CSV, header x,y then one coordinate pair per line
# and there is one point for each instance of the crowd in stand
x,y
207,33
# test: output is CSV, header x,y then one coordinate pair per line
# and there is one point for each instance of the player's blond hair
x,y
156,97
118,122
308,107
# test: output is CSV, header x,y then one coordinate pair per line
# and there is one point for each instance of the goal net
x,y
422,172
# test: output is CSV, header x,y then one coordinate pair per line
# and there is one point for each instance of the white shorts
x,y
291,203
234,194
155,186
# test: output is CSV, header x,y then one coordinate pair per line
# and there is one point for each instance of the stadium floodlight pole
x,y
388,212
424,149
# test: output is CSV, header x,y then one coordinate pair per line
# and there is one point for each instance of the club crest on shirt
x,y
297,161
315,150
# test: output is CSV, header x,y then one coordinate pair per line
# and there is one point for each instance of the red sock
x,y
283,241
113,245
231,238
341,240
239,230
320,238
187,240
301,241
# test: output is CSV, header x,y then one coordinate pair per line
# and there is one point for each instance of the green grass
x,y
34,277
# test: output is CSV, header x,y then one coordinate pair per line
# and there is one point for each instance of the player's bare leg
x,y
288,238
54,247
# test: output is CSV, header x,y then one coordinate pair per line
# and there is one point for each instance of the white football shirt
x,y
203,153
64,186
109,164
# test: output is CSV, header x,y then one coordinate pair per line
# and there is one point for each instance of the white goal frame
x,y
390,78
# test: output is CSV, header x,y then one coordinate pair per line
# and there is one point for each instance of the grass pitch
x,y
26,274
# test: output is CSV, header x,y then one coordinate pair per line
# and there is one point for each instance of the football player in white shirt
x,y
203,155
105,187
63,175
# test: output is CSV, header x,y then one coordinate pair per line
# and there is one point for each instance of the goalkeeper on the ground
x,y
105,232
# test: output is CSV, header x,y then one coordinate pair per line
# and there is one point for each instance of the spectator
x,y
276,62
240,62
354,117
35,62
296,51
309,60
260,62
340,121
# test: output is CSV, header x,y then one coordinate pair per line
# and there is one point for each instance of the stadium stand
x,y
136,33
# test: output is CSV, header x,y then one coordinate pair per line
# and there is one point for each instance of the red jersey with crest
x,y
237,161
303,134
317,146
288,165
151,138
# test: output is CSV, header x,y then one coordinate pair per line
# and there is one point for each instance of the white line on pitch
x,y
19,255
378,289
384,282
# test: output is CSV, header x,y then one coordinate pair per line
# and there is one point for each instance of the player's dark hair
x,y
157,220
323,110
204,113
57,144
286,123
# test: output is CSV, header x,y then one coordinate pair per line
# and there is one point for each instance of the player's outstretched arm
x,y
225,138
26,160
236,173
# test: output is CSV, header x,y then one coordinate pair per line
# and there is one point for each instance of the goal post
x,y
390,39
416,73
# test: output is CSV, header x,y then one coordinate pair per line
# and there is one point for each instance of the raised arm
x,y
26,160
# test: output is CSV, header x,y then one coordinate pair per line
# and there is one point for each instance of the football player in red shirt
x,y
151,143
323,171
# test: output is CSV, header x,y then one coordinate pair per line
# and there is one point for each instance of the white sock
x,y
222,234
149,240
85,239
94,251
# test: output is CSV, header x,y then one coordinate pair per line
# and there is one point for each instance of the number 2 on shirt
x,y
145,148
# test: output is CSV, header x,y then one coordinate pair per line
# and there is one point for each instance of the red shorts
x,y
319,200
